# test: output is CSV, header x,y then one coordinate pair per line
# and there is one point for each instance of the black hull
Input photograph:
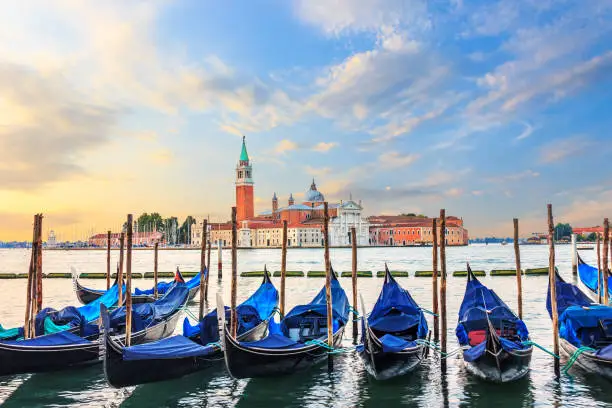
x,y
588,361
500,366
193,292
87,295
252,362
384,366
120,373
17,359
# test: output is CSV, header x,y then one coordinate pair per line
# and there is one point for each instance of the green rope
x,y
533,343
330,350
355,312
574,358
436,347
190,314
429,312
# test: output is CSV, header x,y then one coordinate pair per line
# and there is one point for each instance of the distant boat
x,y
585,248
504,242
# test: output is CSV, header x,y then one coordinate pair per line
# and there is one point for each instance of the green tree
x,y
563,231
184,236
592,237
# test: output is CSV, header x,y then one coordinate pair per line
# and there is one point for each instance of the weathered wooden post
x,y
39,272
574,256
443,285
328,294
155,264
120,273
128,284
598,269
207,268
108,263
606,269
283,269
27,324
436,303
234,317
517,257
354,279
219,260
203,271
552,282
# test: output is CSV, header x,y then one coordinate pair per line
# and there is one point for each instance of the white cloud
x,y
526,132
324,147
284,146
514,177
318,171
559,150
392,160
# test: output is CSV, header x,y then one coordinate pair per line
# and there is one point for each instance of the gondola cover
x,y
588,276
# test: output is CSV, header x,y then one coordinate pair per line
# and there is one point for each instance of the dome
x,y
313,195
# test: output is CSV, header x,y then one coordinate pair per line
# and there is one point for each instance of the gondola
x,y
64,349
493,339
583,326
588,278
76,320
196,349
297,343
390,333
86,295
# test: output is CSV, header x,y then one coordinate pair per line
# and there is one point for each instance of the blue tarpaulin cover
x,y
588,276
605,352
55,339
396,311
567,295
394,344
171,347
273,341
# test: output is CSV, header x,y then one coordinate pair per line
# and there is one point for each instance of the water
x,y
348,385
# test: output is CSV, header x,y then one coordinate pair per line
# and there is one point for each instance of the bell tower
x,y
244,186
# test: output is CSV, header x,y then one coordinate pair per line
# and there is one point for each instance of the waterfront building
x,y
244,186
138,239
399,230
51,240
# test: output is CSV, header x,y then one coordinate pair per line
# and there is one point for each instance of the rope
x,y
429,312
533,343
190,314
330,350
354,311
574,358
436,347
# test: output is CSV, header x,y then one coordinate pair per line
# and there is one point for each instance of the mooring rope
x,y
330,349
436,347
574,358
190,314
533,343
429,312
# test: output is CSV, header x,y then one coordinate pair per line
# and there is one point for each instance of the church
x,y
304,219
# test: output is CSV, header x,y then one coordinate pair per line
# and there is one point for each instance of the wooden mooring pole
x,y
328,295
203,271
155,265
443,321
552,282
354,281
120,272
219,260
574,257
29,312
436,303
283,269
517,257
606,269
39,271
207,269
598,269
108,263
234,318
128,284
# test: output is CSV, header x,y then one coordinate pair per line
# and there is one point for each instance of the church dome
x,y
313,195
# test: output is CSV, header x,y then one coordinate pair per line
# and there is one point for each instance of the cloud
x,y
284,146
526,132
514,177
559,150
454,192
45,128
162,156
318,172
324,147
393,160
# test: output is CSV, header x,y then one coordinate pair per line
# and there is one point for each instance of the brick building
x,y
398,230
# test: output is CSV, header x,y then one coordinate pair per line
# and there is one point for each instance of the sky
x,y
489,109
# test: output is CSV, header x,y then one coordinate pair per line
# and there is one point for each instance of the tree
x,y
592,237
563,231
185,230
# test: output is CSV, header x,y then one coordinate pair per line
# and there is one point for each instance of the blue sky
x,y
490,109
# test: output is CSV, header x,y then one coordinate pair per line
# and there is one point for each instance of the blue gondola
x,y
196,349
86,295
297,343
493,338
585,328
588,277
64,349
390,334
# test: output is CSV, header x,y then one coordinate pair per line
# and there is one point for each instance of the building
x,y
138,239
51,240
399,230
244,186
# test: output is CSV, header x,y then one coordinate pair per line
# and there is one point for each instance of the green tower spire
x,y
244,156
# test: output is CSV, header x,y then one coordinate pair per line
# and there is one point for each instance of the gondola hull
x,y
121,373
19,359
501,367
386,365
242,362
87,295
588,361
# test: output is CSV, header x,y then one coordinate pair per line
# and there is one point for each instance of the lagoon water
x,y
348,385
